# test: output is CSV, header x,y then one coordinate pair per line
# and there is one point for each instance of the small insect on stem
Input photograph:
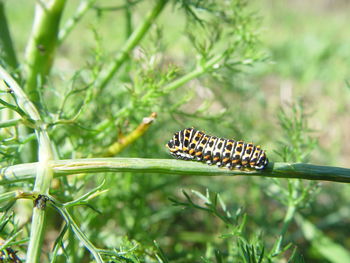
x,y
195,145
40,202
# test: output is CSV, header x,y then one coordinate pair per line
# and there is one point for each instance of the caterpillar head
x,y
262,162
170,145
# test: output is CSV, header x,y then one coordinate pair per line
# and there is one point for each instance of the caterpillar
x,y
192,144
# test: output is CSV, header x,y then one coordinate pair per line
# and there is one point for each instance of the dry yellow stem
x,y
123,142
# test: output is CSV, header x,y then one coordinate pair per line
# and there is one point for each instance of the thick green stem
x,y
36,235
133,40
43,169
169,166
41,46
43,179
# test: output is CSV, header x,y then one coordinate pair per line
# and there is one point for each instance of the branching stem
x,y
133,40
83,7
43,169
201,69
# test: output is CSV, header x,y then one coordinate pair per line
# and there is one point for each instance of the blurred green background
x,y
294,100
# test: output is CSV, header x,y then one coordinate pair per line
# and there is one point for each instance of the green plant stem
x,y
40,53
117,7
321,243
80,234
201,69
42,45
83,7
128,18
7,53
42,184
22,172
21,98
36,235
134,39
9,123
292,208
43,169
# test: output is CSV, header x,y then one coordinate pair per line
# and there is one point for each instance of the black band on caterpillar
x,y
192,144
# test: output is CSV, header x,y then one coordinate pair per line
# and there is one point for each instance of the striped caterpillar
x,y
192,144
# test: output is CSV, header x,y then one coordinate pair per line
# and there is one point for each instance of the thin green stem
x,y
128,18
8,105
130,44
25,119
292,208
328,248
58,243
77,231
117,7
9,123
8,241
83,7
23,172
201,69
8,196
21,98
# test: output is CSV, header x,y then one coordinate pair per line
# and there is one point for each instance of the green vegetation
x,y
92,79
